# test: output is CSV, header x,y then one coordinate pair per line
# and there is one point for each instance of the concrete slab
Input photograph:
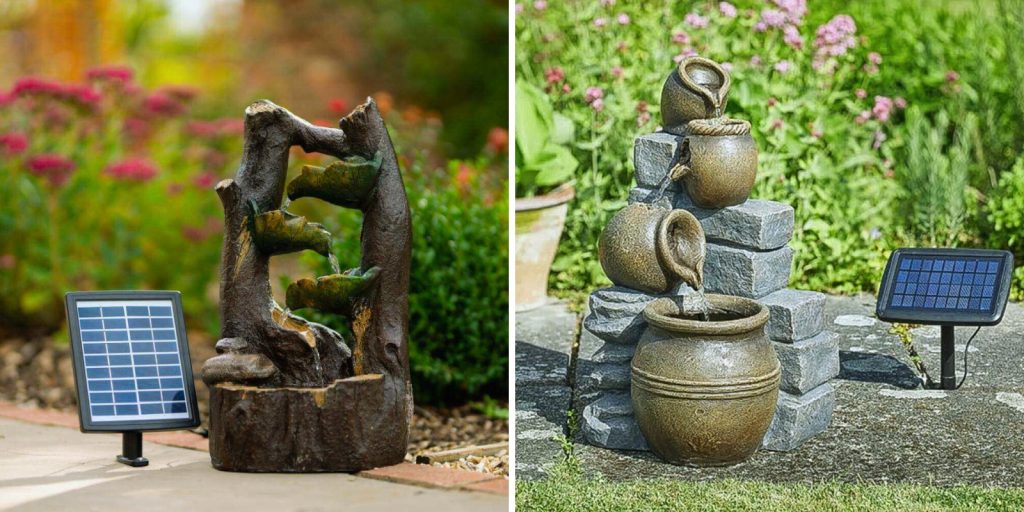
x,y
54,468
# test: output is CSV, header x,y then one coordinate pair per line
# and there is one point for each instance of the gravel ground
x,y
38,372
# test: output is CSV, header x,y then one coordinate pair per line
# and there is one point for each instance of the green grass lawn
x,y
565,489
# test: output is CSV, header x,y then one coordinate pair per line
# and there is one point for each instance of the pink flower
x,y
623,19
643,114
795,10
727,66
728,10
772,101
861,93
540,5
54,168
875,58
782,66
862,117
879,139
833,39
616,72
684,54
519,8
870,68
597,105
695,20
760,26
952,76
777,123
159,103
817,133
122,74
773,18
497,140
600,22
680,38
791,36
205,180
554,75
883,108
80,95
592,94
755,60
132,169
13,143
900,102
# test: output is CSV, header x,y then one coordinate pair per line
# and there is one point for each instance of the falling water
x,y
335,268
696,304
319,369
286,203
662,186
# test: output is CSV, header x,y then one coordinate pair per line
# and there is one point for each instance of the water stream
x,y
335,268
697,304
319,368
286,203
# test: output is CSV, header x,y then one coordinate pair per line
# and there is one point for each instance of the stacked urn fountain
x,y
690,229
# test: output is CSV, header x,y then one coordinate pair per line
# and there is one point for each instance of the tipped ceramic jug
x,y
718,164
652,248
697,88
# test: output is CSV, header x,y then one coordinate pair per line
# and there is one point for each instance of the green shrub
x,y
458,297
1005,213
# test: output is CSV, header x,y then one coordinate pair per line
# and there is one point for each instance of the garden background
x,y
883,123
117,118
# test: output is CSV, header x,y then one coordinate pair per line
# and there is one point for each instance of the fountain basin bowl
x,y
704,392
354,424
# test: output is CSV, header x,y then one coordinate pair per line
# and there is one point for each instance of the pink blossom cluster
x,y
786,15
834,39
601,22
728,10
882,110
54,168
13,143
555,76
132,169
795,10
226,127
160,103
594,96
80,95
119,74
643,114
686,52
695,20
205,180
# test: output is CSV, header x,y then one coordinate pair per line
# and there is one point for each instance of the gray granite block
x,y
540,419
594,377
800,417
754,274
594,349
809,363
613,404
616,314
654,155
795,314
755,224
616,432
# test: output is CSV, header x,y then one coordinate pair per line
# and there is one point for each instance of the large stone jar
x,y
704,392
652,248
719,162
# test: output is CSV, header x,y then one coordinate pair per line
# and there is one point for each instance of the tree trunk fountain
x,y
287,394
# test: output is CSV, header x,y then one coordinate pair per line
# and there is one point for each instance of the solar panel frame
x,y
86,421
886,310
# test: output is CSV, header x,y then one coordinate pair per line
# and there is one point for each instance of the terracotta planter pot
x,y
704,392
719,163
539,223
650,248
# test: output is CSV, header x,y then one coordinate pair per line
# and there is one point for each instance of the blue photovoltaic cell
x,y
132,363
947,283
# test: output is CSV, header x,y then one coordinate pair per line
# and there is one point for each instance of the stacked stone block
x,y
747,256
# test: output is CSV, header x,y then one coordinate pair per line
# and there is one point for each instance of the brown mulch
x,y
39,372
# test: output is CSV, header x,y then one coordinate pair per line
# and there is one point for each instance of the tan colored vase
x,y
651,248
704,392
719,163
539,223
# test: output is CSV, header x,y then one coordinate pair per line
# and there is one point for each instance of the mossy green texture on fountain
x,y
347,183
331,294
280,232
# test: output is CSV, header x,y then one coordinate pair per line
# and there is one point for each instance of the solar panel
x,y
132,366
945,286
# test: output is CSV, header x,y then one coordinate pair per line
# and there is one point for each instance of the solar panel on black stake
x,y
132,366
946,287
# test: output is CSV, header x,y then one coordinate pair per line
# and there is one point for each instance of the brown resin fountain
x,y
291,395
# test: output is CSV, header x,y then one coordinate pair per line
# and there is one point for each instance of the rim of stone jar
x,y
660,313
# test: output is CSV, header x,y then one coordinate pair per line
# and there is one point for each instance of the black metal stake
x,y
948,357
131,450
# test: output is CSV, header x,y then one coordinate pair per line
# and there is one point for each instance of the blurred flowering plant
x,y
108,186
828,106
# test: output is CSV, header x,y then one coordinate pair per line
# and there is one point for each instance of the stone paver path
x,y
886,428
